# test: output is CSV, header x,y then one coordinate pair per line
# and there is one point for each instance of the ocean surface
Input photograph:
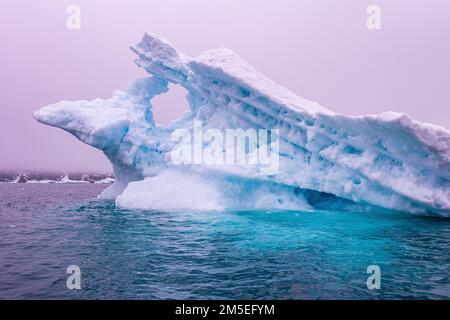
x,y
122,254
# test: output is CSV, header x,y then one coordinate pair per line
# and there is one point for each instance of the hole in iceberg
x,y
171,105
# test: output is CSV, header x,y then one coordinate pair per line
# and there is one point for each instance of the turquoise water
x,y
232,255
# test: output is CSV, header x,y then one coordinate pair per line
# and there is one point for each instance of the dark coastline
x,y
22,176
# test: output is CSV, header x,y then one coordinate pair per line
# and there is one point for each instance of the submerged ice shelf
x,y
326,160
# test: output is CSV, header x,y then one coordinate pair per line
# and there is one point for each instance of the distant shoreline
x,y
23,176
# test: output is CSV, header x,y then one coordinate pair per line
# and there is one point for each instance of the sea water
x,y
211,255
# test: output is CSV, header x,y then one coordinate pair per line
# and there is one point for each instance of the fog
x,y
320,49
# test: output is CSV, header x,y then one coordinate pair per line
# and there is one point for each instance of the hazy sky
x,y
320,49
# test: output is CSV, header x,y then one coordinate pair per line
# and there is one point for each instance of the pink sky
x,y
320,49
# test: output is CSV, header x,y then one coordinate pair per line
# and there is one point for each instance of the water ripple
x,y
224,255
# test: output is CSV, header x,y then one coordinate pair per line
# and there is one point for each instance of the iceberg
x,y
325,160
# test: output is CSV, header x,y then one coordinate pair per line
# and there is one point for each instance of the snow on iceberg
x,y
326,160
